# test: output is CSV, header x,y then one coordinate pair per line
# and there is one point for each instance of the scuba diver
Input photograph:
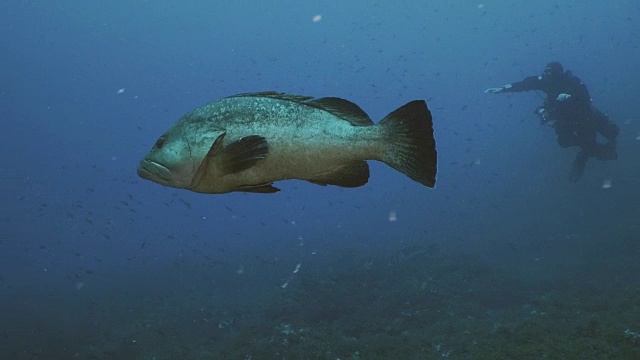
x,y
568,109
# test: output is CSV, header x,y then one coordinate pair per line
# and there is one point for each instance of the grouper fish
x,y
246,142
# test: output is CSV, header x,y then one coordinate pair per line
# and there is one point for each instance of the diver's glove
x,y
494,90
563,97
498,89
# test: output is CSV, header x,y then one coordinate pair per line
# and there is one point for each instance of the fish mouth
x,y
153,171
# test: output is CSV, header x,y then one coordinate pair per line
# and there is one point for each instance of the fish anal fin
x,y
353,174
243,154
263,189
343,109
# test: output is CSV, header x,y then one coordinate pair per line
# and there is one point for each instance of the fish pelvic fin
x,y
350,175
410,146
262,189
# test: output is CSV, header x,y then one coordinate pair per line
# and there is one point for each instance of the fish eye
x,y
159,143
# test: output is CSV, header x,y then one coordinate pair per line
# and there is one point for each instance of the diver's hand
x,y
494,90
563,97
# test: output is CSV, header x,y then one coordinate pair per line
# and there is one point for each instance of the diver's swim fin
x,y
577,168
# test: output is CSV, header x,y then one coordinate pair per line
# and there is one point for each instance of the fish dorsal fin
x,y
276,95
344,109
353,174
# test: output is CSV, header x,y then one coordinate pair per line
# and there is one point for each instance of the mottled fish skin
x,y
246,142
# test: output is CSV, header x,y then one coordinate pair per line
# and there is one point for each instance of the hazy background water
x,y
92,257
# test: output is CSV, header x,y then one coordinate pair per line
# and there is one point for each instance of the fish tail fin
x,y
410,146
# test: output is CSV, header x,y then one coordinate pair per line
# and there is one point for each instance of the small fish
x,y
248,141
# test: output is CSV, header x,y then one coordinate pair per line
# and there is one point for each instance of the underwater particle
x,y
393,216
286,329
480,6
638,137
79,285
606,184
120,91
295,271
316,18
631,335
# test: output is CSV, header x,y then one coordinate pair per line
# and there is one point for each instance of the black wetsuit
x,y
577,120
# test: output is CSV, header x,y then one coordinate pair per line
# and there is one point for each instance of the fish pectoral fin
x,y
243,154
350,175
263,189
207,166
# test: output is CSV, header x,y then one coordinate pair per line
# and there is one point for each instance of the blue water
x,y
505,258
